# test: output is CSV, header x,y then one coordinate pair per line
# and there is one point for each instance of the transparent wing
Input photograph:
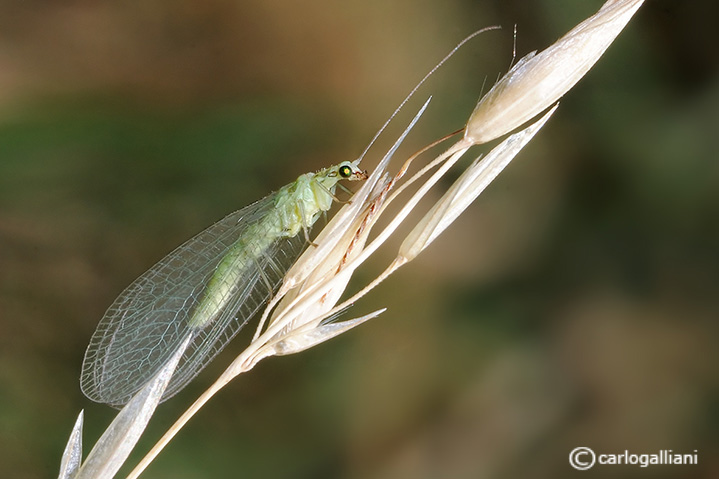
x,y
147,323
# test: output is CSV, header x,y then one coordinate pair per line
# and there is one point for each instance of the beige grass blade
x,y
118,440
72,456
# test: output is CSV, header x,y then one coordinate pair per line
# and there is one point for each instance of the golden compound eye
x,y
345,171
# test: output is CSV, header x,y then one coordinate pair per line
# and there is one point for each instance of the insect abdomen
x,y
231,270
297,206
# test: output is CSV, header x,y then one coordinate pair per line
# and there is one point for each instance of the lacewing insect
x,y
207,289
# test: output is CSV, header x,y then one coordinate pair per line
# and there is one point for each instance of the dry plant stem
x,y
414,156
381,204
449,157
228,375
462,144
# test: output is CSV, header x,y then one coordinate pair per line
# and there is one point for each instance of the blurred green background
x,y
575,304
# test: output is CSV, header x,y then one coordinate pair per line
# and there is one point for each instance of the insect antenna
x,y
421,82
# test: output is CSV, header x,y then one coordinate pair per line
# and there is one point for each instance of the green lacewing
x,y
208,288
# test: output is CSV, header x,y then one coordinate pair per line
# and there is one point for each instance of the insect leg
x,y
346,190
305,231
329,192
264,277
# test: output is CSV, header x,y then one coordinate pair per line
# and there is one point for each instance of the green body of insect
x,y
296,207
208,288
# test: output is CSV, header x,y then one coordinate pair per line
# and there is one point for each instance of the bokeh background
x,y
575,304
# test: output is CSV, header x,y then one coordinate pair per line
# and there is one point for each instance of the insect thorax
x,y
299,205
